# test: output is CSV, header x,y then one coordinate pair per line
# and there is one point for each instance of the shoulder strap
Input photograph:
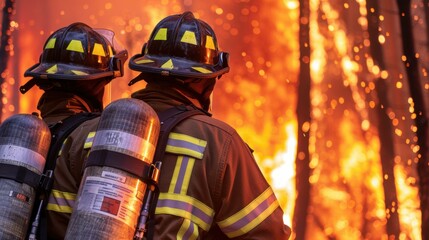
x,y
59,132
168,119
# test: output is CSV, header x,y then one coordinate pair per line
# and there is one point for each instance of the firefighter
x,y
76,64
210,185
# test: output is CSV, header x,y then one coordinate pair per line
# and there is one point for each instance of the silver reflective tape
x,y
23,155
118,141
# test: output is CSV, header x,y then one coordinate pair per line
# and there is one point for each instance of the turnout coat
x,y
210,185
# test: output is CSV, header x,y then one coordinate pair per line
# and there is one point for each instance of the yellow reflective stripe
x,y
189,37
183,151
79,73
250,216
187,177
173,181
75,46
65,195
185,207
58,208
201,70
188,230
143,61
187,138
210,43
181,175
51,43
182,144
61,201
62,146
89,140
161,34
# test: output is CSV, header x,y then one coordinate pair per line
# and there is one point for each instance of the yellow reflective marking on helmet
x,y
210,43
168,64
79,73
98,50
201,70
189,37
52,69
143,61
51,43
161,34
110,51
76,46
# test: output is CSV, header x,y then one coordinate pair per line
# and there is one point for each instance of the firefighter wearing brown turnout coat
x,y
76,64
210,185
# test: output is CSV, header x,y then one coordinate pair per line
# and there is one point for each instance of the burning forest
x,y
331,95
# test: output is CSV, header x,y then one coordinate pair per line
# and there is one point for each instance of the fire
x,y
409,210
258,97
282,172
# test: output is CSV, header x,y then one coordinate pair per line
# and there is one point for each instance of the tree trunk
x,y
385,128
304,120
421,120
5,43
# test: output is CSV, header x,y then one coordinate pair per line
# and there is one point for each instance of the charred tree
x,y
385,128
5,41
304,119
419,114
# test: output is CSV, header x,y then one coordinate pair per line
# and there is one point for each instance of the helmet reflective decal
x,y
52,69
189,37
201,70
210,43
110,51
78,52
180,46
80,73
98,50
143,61
51,43
76,46
168,64
161,34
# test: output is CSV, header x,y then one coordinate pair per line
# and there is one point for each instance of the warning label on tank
x,y
110,205
19,196
110,198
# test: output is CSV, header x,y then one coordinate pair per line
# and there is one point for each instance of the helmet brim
x,y
66,71
176,67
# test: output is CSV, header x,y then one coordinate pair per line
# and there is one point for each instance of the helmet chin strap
x,y
210,107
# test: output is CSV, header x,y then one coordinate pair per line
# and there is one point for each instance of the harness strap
x,y
169,119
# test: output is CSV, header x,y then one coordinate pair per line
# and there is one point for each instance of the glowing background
x,y
258,96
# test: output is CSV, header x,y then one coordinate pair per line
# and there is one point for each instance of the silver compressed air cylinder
x,y
110,197
24,143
